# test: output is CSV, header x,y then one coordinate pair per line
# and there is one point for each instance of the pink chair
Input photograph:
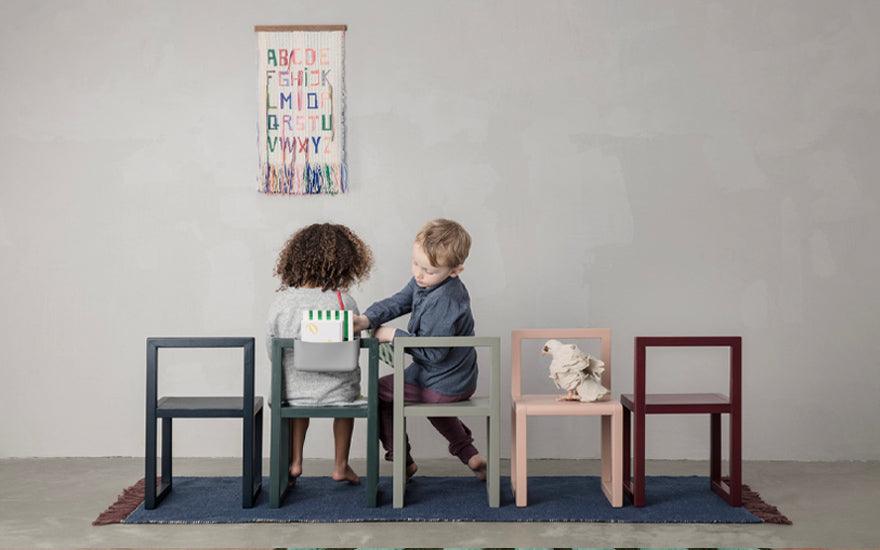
x,y
546,404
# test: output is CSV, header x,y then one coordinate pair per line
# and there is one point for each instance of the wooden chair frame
x,y
525,405
490,407
247,407
279,480
642,404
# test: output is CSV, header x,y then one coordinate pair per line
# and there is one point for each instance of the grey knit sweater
x,y
301,387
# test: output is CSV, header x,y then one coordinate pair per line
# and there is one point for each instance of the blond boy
x,y
439,305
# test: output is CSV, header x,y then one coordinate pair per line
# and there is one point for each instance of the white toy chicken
x,y
579,374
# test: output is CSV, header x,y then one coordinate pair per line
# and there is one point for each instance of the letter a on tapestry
x,y
301,109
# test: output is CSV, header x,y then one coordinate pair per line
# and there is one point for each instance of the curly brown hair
x,y
325,255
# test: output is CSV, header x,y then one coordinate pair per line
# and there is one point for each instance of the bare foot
x,y
296,470
346,475
478,465
411,470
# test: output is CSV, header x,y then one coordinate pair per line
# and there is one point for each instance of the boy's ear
x,y
456,271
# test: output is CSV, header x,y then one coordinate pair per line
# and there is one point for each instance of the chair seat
x,y
323,411
204,407
680,403
547,405
477,406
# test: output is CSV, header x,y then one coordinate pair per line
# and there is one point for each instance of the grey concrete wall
x,y
657,168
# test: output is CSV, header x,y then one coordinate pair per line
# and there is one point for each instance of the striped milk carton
x,y
327,325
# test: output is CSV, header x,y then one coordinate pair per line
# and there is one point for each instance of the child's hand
x,y
385,334
361,322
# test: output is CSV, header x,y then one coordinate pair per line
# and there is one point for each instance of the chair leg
x,y
639,461
150,466
513,449
714,448
247,460
286,437
275,461
522,489
372,458
627,452
731,490
399,464
617,457
152,495
166,453
612,439
258,455
605,445
735,458
493,473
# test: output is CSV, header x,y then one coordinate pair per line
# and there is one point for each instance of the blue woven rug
x,y
551,498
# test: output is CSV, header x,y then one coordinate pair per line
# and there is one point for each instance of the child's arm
x,y
441,320
391,308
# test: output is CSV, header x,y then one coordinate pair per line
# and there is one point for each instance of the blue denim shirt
x,y
441,310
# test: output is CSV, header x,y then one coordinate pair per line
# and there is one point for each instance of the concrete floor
x,y
51,503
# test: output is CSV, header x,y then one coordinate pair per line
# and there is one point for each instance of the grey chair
x,y
247,407
279,476
490,407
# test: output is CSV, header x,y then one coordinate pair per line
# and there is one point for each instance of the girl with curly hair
x,y
317,266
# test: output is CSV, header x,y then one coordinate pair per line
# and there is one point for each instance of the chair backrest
x,y
642,343
517,337
246,343
401,343
280,344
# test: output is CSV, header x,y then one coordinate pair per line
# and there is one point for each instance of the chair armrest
x,y
278,347
280,344
518,336
372,345
246,343
201,342
401,343
445,341
687,341
644,342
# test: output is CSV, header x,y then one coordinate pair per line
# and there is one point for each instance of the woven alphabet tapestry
x,y
301,124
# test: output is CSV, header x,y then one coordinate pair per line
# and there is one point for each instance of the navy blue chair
x,y
247,407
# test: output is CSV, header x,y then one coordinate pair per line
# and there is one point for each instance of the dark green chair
x,y
279,480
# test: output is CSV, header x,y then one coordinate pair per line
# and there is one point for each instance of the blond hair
x,y
445,242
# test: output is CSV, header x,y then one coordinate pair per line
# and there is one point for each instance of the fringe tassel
x,y
125,504
307,179
311,184
767,513
343,172
329,180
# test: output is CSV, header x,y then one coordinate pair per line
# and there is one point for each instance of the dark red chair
x,y
713,404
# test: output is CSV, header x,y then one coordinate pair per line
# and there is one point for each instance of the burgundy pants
x,y
450,427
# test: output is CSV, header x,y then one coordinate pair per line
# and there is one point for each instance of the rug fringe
x,y
767,513
125,504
